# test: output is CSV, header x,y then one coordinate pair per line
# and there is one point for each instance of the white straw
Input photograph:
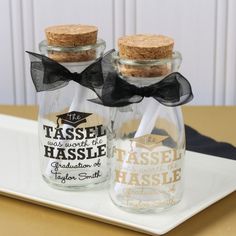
x,y
149,119
78,95
145,127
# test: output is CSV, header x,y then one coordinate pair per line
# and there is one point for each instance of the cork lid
x,y
68,38
145,46
71,35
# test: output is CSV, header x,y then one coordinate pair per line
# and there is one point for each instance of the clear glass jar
x,y
72,130
148,142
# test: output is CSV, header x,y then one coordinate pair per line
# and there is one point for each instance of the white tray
x,y
208,179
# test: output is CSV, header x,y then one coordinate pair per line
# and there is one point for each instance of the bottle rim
x,y
99,44
148,62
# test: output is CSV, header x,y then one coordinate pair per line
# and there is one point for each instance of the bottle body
x,y
72,136
148,156
148,152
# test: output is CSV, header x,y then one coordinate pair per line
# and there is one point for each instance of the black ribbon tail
x,y
173,90
96,100
46,73
93,76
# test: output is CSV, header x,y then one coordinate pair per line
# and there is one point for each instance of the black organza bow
x,y
48,74
111,89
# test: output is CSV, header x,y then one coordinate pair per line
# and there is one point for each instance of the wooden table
x,y
22,218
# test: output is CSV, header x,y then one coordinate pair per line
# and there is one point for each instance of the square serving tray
x,y
208,179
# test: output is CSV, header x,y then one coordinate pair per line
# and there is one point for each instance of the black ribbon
x,y
111,89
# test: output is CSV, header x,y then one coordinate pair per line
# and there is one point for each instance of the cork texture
x,y
72,36
145,47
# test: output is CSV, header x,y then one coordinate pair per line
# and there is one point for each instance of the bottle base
x,y
145,210
99,185
144,207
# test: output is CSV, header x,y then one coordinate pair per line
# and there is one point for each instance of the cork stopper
x,y
69,36
145,47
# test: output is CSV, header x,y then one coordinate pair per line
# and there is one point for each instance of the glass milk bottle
x,y
149,142
72,130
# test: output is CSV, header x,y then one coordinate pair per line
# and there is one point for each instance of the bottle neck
x,y
144,81
77,58
143,73
76,66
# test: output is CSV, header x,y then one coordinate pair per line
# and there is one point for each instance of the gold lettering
x,y
166,178
155,179
145,180
132,158
144,158
177,155
166,156
134,179
119,153
176,174
120,176
155,157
